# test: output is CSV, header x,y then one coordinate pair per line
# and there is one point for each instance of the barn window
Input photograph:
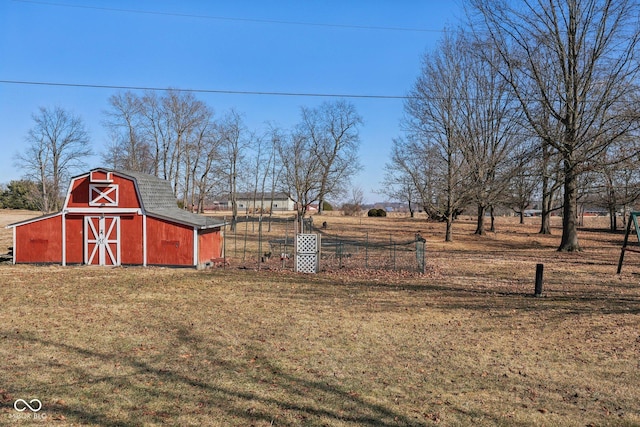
x,y
103,195
102,177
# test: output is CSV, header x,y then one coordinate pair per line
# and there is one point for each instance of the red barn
x,y
112,217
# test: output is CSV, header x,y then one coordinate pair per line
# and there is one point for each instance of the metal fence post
x,y
366,252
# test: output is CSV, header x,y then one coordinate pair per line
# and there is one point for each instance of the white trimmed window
x,y
103,195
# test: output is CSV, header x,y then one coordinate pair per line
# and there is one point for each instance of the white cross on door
x,y
102,240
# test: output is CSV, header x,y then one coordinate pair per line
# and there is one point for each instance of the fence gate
x,y
307,253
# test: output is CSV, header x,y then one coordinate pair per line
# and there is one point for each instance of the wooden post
x,y
539,272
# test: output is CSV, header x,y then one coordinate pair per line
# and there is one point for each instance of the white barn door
x,y
102,240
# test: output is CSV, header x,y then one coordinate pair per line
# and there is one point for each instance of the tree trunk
x,y
493,220
613,226
545,211
447,235
480,224
569,242
612,208
545,223
449,218
234,201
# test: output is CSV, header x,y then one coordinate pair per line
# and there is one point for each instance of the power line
x,y
217,91
258,93
230,19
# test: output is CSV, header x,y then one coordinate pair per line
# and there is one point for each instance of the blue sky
x,y
255,46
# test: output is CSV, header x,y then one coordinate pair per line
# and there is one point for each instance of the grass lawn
x,y
464,344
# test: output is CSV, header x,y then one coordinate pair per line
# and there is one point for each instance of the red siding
x,y
169,243
127,196
100,176
209,245
131,239
39,241
75,239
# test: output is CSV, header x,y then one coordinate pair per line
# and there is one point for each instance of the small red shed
x,y
113,217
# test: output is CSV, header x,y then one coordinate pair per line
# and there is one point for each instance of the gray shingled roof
x,y
158,200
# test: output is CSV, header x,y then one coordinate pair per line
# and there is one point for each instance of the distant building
x,y
254,202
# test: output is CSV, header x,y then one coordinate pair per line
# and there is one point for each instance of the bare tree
x,y
277,138
302,171
435,122
490,125
353,205
398,186
129,150
415,174
202,150
615,183
549,169
156,129
233,144
167,135
59,146
332,129
522,186
569,61
184,114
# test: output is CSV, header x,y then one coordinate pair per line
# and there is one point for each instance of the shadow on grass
x,y
605,298
269,391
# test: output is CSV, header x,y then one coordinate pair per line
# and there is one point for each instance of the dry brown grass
x,y
9,216
466,344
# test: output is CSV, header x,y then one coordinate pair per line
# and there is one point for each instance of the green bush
x,y
326,206
21,194
377,212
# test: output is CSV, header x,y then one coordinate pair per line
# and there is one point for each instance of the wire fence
x,y
268,243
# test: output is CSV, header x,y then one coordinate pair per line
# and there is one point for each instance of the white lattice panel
x,y
307,243
306,263
307,253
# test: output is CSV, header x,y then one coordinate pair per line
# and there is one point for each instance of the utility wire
x,y
223,18
257,92
218,91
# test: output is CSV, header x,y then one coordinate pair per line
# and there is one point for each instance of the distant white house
x,y
258,201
